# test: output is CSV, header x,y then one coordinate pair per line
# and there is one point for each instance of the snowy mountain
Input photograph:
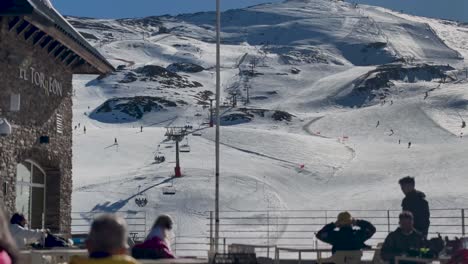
x,y
336,92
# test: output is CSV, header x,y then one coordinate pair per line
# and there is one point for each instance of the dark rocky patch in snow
x,y
305,55
377,83
236,118
185,67
204,96
247,115
377,53
154,73
295,71
151,22
276,115
129,109
129,78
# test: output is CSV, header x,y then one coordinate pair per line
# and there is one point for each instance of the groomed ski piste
x,y
339,148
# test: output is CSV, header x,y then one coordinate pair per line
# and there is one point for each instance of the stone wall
x,y
45,86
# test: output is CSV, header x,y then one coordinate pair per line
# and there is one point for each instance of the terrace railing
x,y
280,228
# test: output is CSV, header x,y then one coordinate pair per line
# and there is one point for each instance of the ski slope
x,y
303,57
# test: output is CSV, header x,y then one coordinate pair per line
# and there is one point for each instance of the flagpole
x,y
218,97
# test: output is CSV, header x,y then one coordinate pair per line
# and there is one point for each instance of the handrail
x,y
319,252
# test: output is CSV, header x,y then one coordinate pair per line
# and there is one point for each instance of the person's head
x,y
406,221
407,184
7,243
108,235
164,222
18,219
344,219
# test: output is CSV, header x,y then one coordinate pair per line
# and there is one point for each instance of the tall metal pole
x,y
218,97
178,172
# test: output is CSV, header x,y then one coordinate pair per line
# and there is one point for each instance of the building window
x,y
31,193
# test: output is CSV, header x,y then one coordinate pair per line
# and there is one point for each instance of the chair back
x,y
347,257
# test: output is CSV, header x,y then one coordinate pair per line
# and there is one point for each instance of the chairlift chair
x,y
185,147
159,159
140,199
169,190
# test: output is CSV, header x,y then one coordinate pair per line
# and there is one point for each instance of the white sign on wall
x,y
50,85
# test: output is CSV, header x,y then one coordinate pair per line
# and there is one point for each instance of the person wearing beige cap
x,y
346,233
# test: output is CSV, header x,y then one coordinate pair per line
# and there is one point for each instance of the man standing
x,y
415,202
404,239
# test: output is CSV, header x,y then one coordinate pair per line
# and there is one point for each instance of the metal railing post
x,y
388,221
277,258
300,257
224,245
268,227
463,221
175,245
211,231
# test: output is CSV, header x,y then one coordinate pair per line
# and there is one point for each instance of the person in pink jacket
x,y
8,249
157,244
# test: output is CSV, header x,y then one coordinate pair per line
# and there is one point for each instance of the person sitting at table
x,y
157,243
22,234
346,234
403,239
107,242
8,250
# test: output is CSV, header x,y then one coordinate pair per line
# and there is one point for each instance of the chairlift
x,y
185,147
159,159
197,134
141,200
169,190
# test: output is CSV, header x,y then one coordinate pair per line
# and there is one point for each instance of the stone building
x,y
39,53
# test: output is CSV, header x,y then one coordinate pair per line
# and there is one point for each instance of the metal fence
x,y
279,228
291,228
136,220
297,228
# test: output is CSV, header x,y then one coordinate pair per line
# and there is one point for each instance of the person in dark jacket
x,y
415,202
402,240
343,236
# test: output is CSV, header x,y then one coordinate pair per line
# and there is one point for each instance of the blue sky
x,y
451,9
